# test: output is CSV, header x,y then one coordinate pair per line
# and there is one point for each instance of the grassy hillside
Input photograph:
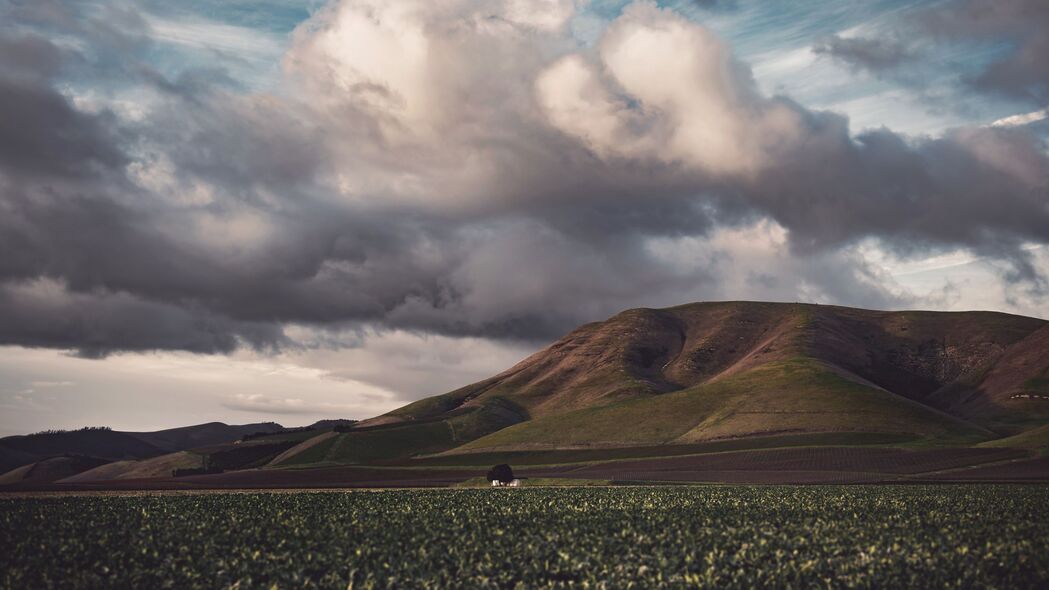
x,y
113,445
605,454
727,371
791,396
645,352
1036,438
49,470
103,444
200,435
161,466
389,442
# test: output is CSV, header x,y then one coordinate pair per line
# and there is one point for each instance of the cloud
x,y
43,313
260,404
1022,119
694,104
48,384
474,173
1021,68
866,53
717,4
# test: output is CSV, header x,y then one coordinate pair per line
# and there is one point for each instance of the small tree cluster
x,y
501,473
62,431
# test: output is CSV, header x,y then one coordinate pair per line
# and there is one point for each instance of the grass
x,y
315,454
1037,384
791,396
393,442
643,537
390,443
291,436
1035,438
161,466
569,456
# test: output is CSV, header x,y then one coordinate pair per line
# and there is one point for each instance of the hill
x,y
1010,392
212,433
161,466
113,445
49,470
94,442
724,391
729,370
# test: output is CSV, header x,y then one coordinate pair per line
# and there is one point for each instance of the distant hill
x,y
645,384
332,423
161,466
112,445
726,370
49,470
212,433
99,443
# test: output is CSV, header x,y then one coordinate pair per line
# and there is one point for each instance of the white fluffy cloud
x,y
663,88
463,168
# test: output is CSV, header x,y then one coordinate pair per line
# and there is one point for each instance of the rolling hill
x,y
212,433
722,388
113,445
49,470
729,370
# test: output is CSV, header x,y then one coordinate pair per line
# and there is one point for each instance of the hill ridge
x,y
648,353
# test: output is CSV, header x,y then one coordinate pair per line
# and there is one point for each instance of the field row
x,y
723,536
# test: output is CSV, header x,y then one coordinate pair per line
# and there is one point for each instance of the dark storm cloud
x,y
717,4
983,188
42,314
219,217
1018,26
873,54
41,134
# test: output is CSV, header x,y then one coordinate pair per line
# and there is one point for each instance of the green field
x,y
716,536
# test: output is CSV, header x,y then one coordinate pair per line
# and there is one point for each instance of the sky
x,y
291,210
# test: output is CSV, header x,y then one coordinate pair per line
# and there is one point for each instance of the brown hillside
x,y
212,433
722,370
50,470
1011,387
161,466
643,352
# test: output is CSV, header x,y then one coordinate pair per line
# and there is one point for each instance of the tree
x,y
501,473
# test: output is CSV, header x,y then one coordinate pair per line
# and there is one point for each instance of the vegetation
x,y
1038,384
726,537
589,455
1035,438
61,431
793,395
501,473
282,433
398,441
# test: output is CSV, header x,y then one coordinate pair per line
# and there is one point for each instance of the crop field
x,y
716,536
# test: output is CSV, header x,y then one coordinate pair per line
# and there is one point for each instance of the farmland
x,y
724,536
